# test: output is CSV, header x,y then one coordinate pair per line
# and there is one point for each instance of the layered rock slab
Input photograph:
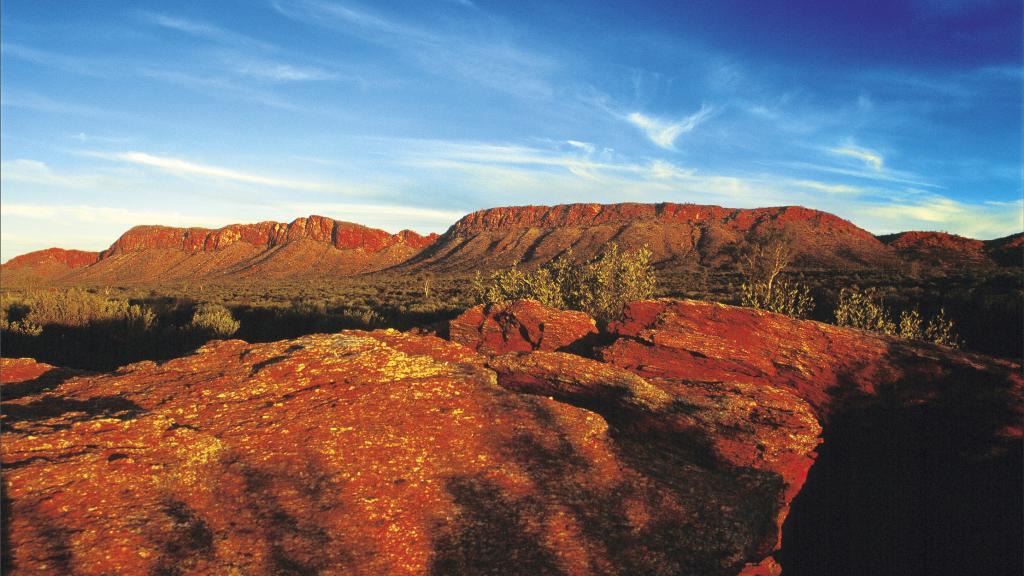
x,y
376,453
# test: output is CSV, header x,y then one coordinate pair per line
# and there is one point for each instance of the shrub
x,y
865,310
791,299
910,325
600,287
214,319
941,330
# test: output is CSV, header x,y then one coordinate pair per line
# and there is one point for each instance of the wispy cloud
x,y
482,54
106,214
42,103
179,167
664,133
204,30
871,158
220,87
274,71
74,64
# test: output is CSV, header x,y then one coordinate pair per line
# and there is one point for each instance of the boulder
x,y
520,326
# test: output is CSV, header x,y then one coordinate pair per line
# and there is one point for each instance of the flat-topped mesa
x,y
341,235
679,236
582,215
70,258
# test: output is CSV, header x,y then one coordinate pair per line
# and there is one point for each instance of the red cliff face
x,y
341,235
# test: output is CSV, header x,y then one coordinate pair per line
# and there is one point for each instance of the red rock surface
x,y
388,453
687,450
519,327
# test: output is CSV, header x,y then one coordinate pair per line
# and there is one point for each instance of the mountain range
x,y
680,236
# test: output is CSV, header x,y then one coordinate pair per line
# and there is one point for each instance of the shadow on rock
x,y
923,478
489,536
55,406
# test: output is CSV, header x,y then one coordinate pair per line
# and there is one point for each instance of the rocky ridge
x,y
680,236
313,245
678,441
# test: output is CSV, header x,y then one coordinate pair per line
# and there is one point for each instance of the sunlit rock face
x,y
681,446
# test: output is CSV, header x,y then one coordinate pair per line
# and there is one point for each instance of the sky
x,y
897,115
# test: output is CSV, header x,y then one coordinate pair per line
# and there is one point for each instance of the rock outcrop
x,y
684,446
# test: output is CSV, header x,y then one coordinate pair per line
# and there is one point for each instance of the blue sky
x,y
895,115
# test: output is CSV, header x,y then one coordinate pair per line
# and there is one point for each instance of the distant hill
x,y
307,246
681,236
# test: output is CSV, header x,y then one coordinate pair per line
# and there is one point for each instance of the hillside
x,y
306,246
679,235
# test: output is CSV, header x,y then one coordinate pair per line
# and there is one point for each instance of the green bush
x,y
600,287
214,319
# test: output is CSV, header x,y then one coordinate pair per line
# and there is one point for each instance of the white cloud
x,y
869,157
664,133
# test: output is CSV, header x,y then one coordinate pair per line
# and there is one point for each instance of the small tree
x,y
762,262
